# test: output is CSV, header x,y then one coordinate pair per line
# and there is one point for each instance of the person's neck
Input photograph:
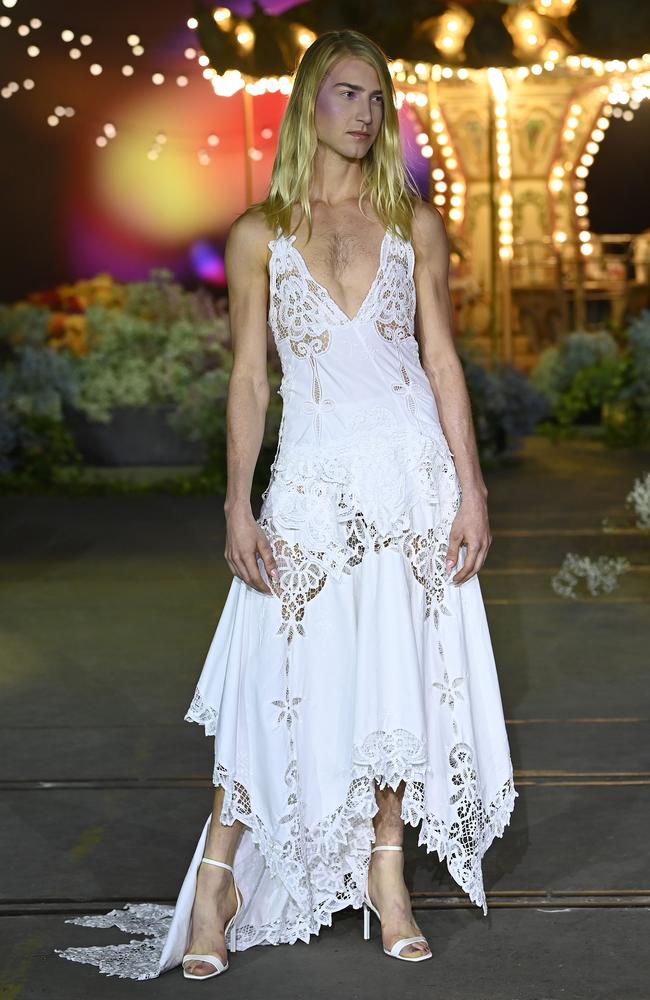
x,y
335,180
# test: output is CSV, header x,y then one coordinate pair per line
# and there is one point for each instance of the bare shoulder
x,y
429,234
247,240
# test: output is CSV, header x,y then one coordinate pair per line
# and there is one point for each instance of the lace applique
x,y
298,302
382,469
395,305
450,690
426,556
135,960
324,867
333,855
204,714
303,573
301,577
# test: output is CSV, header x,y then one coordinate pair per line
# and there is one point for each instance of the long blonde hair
x,y
385,177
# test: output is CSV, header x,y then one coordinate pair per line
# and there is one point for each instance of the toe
x,y
200,968
415,950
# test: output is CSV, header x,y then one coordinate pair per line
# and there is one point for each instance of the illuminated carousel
x,y
510,116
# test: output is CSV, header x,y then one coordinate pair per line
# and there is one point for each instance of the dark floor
x,y
107,607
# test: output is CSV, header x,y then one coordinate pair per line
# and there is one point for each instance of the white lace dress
x,y
365,663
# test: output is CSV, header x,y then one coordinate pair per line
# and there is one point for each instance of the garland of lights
x,y
415,84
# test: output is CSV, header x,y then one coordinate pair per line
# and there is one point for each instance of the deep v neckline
x,y
327,293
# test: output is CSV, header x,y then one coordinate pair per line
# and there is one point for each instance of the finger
x,y
453,549
472,564
255,577
238,568
270,565
468,566
452,555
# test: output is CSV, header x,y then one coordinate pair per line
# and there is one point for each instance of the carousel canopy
x,y
471,33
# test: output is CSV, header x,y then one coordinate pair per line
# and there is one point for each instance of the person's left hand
x,y
471,528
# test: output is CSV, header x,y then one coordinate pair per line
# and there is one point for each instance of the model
x,y
351,685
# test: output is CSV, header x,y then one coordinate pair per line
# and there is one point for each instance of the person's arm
x,y
439,358
248,396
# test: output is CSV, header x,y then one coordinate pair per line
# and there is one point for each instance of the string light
x,y
451,30
222,18
625,95
499,87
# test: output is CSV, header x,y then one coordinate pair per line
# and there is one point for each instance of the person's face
x,y
349,101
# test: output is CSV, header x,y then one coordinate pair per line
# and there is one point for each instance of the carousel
x,y
512,101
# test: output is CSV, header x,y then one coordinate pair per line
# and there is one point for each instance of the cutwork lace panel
x,y
324,868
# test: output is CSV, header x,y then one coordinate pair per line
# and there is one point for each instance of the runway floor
x,y
104,600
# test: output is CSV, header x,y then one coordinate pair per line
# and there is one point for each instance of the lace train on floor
x,y
325,870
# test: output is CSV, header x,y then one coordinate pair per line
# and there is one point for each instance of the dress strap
x,y
278,236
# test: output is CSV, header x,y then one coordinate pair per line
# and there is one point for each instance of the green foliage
x,y
589,379
505,406
154,350
35,382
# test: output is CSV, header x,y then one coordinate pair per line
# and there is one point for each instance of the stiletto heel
x,y
214,959
366,922
368,905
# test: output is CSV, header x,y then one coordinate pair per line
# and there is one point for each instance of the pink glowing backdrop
x,y
128,213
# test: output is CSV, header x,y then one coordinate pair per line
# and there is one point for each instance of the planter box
x,y
135,435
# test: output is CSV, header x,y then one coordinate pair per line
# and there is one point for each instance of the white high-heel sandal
x,y
368,905
214,959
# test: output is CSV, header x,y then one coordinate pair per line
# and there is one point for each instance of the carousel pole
x,y
247,107
579,312
493,230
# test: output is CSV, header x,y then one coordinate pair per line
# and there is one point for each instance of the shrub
x,y
591,379
35,383
505,405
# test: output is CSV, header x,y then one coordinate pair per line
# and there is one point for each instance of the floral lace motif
x,y
382,469
204,714
325,867
299,303
135,960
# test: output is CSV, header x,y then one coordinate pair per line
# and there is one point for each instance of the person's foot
x,y
215,901
388,892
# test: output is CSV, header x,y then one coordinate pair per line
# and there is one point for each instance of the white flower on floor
x,y
599,574
639,499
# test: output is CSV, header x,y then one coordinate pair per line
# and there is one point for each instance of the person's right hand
x,y
244,540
